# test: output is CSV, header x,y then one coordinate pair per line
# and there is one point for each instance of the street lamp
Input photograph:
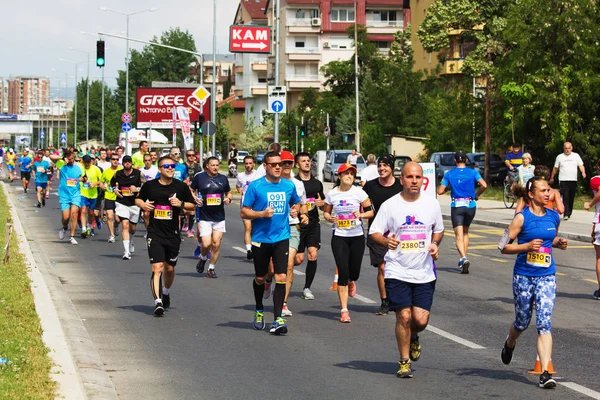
x,y
75,104
87,95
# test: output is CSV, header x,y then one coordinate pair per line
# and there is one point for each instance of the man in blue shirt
x,y
267,203
41,168
69,195
26,163
462,182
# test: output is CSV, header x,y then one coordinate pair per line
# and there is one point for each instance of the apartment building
x,y
225,64
27,91
3,96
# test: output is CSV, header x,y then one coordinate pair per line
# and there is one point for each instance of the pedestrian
x,y
353,158
193,168
513,160
595,186
410,225
566,164
371,171
554,203
534,274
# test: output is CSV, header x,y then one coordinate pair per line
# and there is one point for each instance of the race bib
x,y
163,212
86,185
126,191
40,169
72,182
412,243
541,258
310,203
213,199
346,221
462,202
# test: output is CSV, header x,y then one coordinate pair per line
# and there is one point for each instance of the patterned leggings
x,y
526,290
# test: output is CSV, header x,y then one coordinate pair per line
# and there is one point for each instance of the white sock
x,y
344,309
211,266
204,257
166,291
157,301
126,245
248,247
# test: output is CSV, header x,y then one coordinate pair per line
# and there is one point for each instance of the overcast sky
x,y
34,34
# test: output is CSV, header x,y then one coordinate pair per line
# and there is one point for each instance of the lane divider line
x,y
454,338
581,389
364,299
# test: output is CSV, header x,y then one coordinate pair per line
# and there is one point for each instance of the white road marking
x,y
364,299
454,338
239,249
581,389
296,272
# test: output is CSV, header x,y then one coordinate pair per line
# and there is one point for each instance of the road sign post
x,y
277,99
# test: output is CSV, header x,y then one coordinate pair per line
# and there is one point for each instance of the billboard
x,y
154,106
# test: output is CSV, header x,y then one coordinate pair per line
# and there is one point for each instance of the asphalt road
x,y
205,348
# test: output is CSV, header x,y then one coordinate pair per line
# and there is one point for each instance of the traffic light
x,y
196,129
306,128
303,130
100,53
332,126
201,120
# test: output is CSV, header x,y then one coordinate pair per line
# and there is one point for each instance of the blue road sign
x,y
277,106
126,126
63,137
42,134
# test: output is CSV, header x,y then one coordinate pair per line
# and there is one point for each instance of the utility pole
x,y
277,37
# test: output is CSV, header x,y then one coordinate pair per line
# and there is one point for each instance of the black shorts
x,y
462,216
310,237
163,250
376,251
110,205
264,252
26,175
405,294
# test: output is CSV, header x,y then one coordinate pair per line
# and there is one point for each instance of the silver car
x,y
334,159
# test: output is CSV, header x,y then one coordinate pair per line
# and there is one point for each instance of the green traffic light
x,y
100,62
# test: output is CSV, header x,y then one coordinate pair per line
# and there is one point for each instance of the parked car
x,y
165,151
497,166
334,159
241,155
444,162
260,155
399,162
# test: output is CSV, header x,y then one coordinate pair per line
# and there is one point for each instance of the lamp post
x,y
357,136
75,102
87,95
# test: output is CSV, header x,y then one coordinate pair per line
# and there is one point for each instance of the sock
x,y
211,266
203,257
126,245
166,290
278,296
259,290
311,270
344,309
248,247
157,301
155,284
131,235
65,228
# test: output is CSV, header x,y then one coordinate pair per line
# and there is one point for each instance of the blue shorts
x,y
66,204
530,290
10,167
90,203
405,294
42,185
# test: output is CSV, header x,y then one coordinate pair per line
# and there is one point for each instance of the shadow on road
x,y
144,309
496,374
237,324
379,367
506,300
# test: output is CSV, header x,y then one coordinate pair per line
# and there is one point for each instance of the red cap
x,y
346,167
287,156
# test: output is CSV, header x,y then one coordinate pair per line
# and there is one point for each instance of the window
x,y
342,15
381,45
340,42
300,41
300,14
315,13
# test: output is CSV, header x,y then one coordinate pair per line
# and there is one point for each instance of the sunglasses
x,y
114,159
176,154
168,166
130,162
191,155
287,162
275,164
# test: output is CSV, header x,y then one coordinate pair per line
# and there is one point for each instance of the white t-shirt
x,y
149,173
260,171
344,205
243,181
369,173
567,166
302,194
104,165
413,223
353,158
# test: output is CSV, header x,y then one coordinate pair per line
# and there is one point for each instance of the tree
x,y
227,85
515,95
223,124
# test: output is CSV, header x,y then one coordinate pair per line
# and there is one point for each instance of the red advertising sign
x,y
249,39
155,105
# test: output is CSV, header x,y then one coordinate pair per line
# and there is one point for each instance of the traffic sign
x,y
126,126
277,99
208,128
126,117
326,131
41,134
201,93
249,39
63,137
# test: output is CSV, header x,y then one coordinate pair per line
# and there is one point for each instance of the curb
x,y
77,369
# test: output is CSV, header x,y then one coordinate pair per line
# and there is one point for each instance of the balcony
x,y
452,66
303,53
238,93
302,25
259,90
238,69
302,81
385,27
259,66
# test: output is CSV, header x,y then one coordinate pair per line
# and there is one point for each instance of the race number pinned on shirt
x,y
126,191
40,169
277,200
310,203
72,182
213,199
412,242
346,221
462,202
541,258
163,212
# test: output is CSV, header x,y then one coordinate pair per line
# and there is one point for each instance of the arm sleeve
x,y
444,181
113,180
579,161
477,176
294,198
226,186
556,162
362,195
194,184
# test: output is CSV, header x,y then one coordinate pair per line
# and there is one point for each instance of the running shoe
x,y
259,322
507,353
197,251
47,195
384,308
249,255
465,266
99,223
159,309
596,294
211,273
546,381
61,233
285,311
460,263
92,233
345,317
200,266
566,217
267,293
83,233
166,300
43,201
111,239
351,289
131,247
279,327
191,233
404,370
415,349
39,205
127,256
72,240
307,294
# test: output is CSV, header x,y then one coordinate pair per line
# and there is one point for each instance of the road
x,y
204,347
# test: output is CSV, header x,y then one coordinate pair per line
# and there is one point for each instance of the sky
x,y
36,34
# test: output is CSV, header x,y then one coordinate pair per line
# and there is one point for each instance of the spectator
x,y
566,165
514,159
370,172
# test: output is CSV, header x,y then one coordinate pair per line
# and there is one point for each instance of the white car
x,y
241,155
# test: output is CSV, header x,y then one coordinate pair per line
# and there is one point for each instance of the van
x,y
317,163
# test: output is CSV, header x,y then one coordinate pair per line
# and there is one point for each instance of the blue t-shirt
x,y
41,171
545,227
180,172
261,194
212,189
69,187
515,159
462,183
26,164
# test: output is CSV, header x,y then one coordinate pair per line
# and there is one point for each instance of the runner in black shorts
x,y
165,199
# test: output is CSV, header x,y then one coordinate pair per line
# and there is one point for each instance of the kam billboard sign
x,y
249,39
154,106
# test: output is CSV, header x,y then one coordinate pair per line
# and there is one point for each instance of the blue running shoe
x,y
259,322
197,251
596,294
279,327
99,223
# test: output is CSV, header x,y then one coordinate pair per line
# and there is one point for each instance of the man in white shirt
x,y
414,227
566,165
243,180
370,172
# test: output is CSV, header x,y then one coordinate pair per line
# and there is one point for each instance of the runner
x,y
69,195
26,163
594,186
104,161
89,194
379,190
49,171
164,199
138,156
267,203
2,151
193,168
126,183
342,209
243,180
414,228
310,234
462,181
154,156
10,164
41,168
150,172
261,171
110,197
213,191
534,276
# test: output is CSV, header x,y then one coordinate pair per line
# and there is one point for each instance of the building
x,y
3,96
27,91
225,63
235,124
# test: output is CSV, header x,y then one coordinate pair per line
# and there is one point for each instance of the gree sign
x,y
249,39
155,106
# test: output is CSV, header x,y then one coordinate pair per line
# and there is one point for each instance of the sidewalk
x,y
493,213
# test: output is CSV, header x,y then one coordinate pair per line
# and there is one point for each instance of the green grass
x,y
496,193
27,374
